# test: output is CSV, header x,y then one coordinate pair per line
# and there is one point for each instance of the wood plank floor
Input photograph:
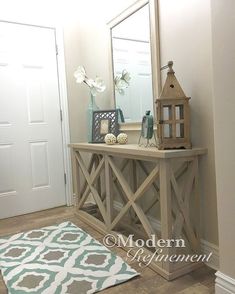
x,y
200,281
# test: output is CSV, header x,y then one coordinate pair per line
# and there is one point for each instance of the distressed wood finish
x,y
171,174
172,98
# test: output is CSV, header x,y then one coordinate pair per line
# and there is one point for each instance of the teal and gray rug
x,y
59,259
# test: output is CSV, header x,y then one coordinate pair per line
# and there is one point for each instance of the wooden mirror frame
x,y
155,52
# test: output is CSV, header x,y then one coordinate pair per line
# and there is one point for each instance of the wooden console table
x,y
171,174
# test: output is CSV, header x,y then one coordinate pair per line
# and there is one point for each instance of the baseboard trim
x,y
224,284
206,246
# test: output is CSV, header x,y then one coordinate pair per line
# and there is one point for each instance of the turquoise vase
x,y
92,106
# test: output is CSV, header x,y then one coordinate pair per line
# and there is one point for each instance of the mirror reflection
x,y
132,65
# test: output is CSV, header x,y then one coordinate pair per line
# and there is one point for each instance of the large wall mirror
x,y
135,62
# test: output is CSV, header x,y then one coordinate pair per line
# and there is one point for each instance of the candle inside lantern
x,y
167,130
167,113
179,112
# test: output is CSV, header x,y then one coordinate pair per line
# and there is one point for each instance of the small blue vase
x,y
92,106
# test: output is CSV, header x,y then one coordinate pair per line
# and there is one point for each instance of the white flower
x,y
121,91
80,74
96,86
120,85
89,82
99,85
126,75
122,82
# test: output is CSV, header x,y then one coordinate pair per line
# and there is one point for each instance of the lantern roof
x,y
172,88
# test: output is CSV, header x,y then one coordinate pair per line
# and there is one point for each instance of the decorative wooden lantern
x,y
173,114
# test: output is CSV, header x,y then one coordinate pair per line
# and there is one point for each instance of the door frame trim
x,y
64,107
63,97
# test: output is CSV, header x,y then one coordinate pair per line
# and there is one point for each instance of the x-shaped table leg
x,y
90,181
182,197
132,197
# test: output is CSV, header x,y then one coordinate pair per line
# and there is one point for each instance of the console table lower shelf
x,y
131,186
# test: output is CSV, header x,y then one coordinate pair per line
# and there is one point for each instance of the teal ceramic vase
x,y
92,106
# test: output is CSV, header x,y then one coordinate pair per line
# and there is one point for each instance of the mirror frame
x,y
155,53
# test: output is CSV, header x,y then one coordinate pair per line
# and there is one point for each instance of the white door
x,y
31,157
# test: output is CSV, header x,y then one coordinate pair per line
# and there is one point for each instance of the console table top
x,y
135,150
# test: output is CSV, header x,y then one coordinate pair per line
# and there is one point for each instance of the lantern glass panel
x,y
179,130
167,112
179,111
167,130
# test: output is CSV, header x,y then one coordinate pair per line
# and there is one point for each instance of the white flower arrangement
x,y
96,86
122,82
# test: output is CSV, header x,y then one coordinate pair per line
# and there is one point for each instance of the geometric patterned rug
x,y
59,259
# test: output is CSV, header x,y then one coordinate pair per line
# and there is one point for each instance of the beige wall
x,y
223,24
185,35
